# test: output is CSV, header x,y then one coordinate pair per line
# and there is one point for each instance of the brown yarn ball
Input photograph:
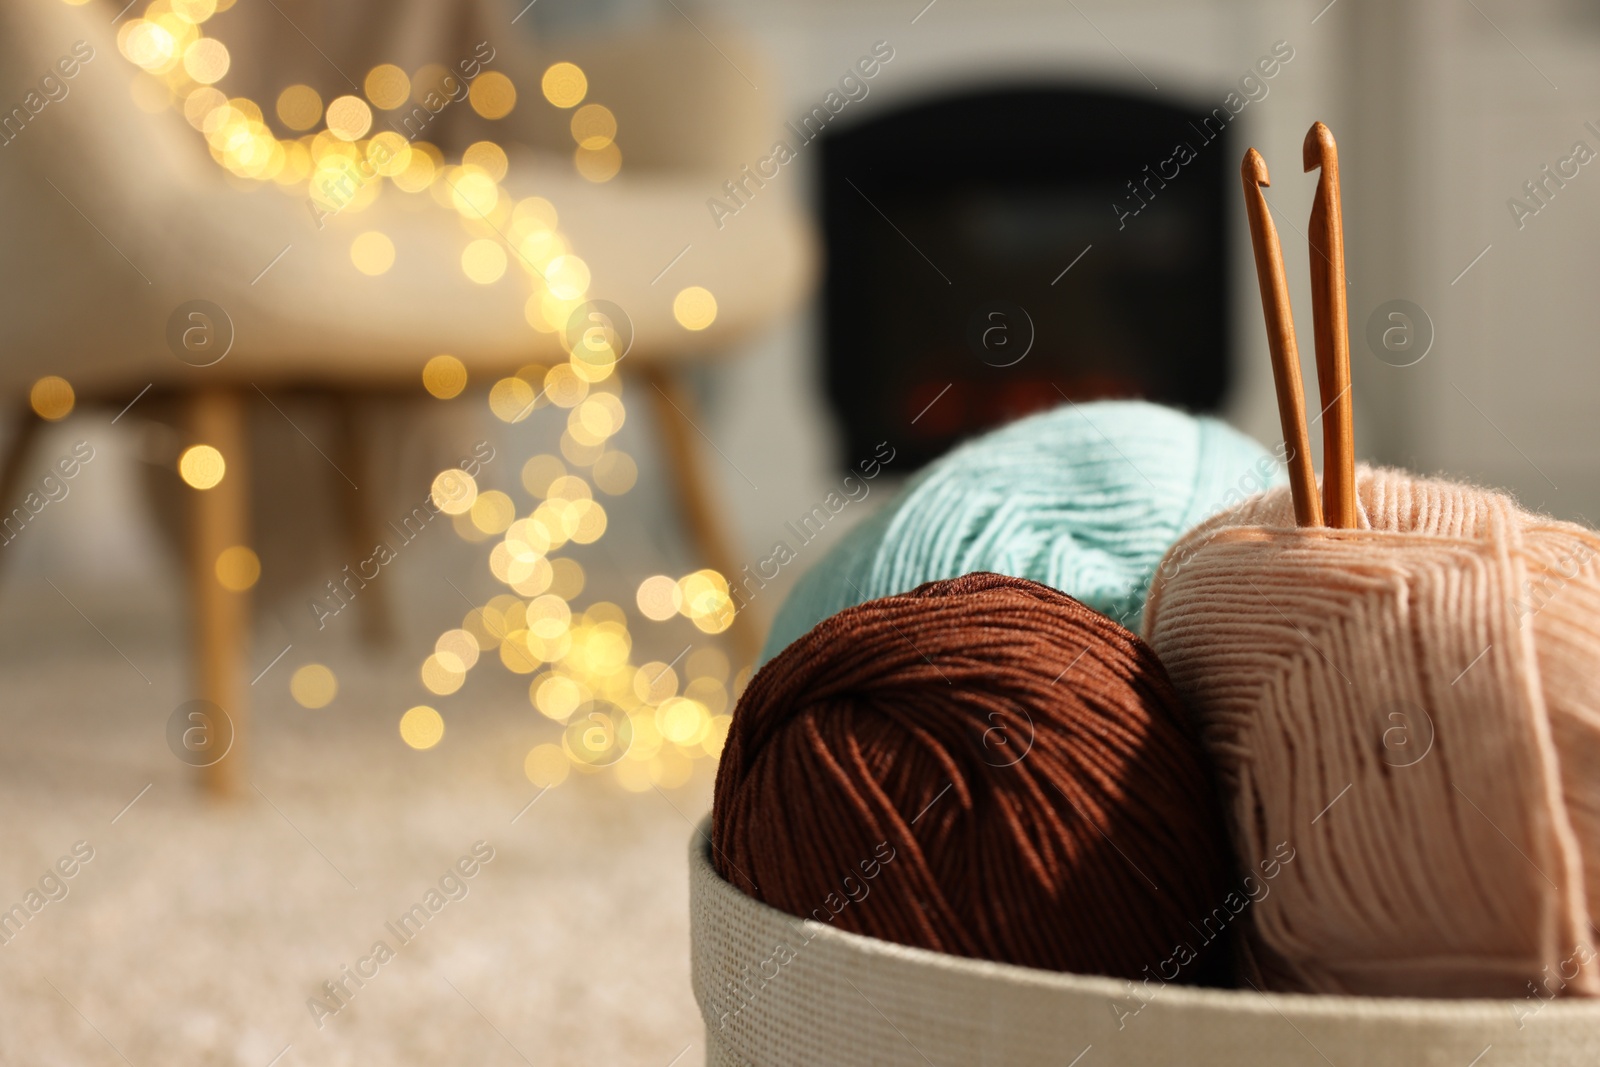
x,y
985,767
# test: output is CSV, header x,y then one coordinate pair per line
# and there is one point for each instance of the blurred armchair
x,y
114,217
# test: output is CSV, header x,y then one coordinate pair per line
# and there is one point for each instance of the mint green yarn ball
x,y
1085,498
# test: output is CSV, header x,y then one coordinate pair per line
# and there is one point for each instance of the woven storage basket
x,y
777,990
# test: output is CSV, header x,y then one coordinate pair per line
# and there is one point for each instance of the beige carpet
x,y
198,931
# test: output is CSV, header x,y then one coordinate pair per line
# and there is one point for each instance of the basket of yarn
x,y
974,821
969,825
1084,498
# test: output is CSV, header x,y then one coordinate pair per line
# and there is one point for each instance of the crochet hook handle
x,y
1331,328
1280,340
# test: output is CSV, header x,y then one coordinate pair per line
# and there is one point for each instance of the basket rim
x,y
703,873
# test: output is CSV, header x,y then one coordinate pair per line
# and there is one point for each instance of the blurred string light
x,y
52,398
238,568
645,725
421,727
327,141
202,466
444,376
694,308
372,253
313,686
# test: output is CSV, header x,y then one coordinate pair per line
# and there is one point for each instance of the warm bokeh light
x,y
516,656
659,598
706,601
597,737
579,454
530,577
596,419
349,118
708,692
557,697
444,376
421,727
588,522
535,211
564,387
493,512
441,678
201,466
238,568
564,85
538,247
148,44
473,194
420,172
487,157
655,682
681,721
389,154
484,261
567,277
539,472
598,164
694,308
594,126
52,398
457,650
387,86
511,399
299,107
206,60
195,11
372,253
454,491
493,95
548,616
203,101
569,487
313,686
527,541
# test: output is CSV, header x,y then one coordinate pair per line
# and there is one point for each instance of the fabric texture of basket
x,y
776,990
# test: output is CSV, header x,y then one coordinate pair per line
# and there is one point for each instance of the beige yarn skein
x,y
1411,706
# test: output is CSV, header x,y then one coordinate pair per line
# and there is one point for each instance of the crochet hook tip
x,y
1319,146
1254,169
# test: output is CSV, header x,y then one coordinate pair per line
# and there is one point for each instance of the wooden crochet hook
x,y
1331,329
1280,340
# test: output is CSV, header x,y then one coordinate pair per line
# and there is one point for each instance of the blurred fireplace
x,y
950,229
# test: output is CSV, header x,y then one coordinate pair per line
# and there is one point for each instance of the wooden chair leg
x,y
676,420
358,512
220,519
24,432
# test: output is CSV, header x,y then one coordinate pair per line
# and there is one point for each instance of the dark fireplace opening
x,y
991,253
